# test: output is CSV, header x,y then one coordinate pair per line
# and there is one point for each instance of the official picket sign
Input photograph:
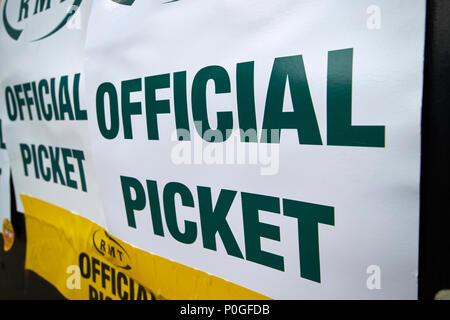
x,y
43,108
193,99
216,149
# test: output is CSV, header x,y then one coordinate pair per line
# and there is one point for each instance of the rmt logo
x,y
18,15
111,249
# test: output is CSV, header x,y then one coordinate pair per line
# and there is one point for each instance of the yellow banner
x,y
83,261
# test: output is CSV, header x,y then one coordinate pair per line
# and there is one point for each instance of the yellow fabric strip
x,y
83,261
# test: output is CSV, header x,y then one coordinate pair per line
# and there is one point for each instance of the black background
x,y
434,247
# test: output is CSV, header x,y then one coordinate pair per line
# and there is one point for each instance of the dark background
x,y
15,281
434,246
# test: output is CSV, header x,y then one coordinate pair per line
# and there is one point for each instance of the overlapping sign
x,y
273,144
43,108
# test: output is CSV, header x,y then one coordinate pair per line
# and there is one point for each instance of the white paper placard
x,y
44,111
